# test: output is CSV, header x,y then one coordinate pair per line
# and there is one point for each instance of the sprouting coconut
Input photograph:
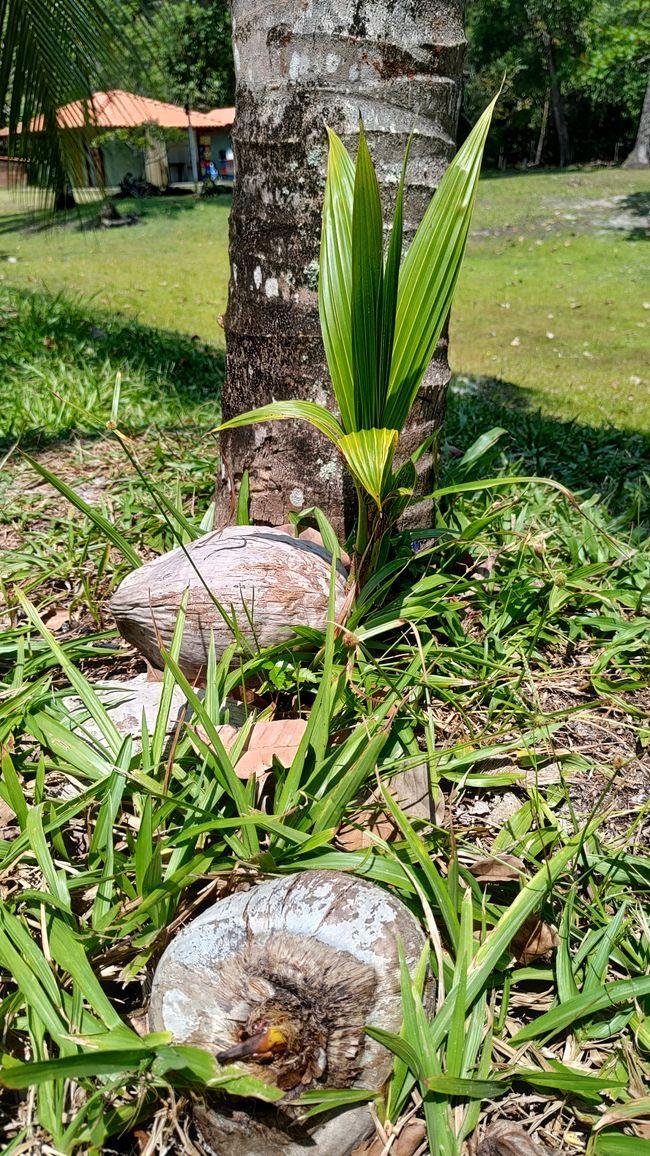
x,y
283,979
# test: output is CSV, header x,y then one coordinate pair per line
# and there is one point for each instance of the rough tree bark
x,y
640,155
301,64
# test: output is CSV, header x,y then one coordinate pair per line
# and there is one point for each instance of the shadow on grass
x,y
32,219
638,204
60,359
608,461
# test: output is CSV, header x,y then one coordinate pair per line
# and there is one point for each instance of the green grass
x,y
512,657
169,271
558,263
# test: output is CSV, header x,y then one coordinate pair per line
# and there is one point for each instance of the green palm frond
x,y
53,53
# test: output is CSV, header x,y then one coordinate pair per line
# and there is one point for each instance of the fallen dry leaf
x,y
411,791
57,619
510,1140
498,869
534,939
279,739
7,815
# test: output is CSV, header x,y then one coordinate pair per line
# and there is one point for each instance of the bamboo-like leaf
x,y
335,279
567,1079
604,998
617,1144
369,456
308,411
430,271
54,53
82,686
242,515
367,277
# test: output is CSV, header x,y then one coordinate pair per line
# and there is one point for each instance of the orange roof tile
x,y
117,109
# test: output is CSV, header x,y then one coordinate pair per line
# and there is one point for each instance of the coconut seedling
x,y
381,317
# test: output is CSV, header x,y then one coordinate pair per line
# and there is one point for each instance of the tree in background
x,y
196,57
640,155
615,72
536,44
576,73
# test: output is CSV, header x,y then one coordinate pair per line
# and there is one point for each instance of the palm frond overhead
x,y
52,52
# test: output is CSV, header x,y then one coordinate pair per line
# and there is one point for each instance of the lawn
x,y
169,271
510,658
553,300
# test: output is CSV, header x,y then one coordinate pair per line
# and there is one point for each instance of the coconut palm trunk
x,y
301,64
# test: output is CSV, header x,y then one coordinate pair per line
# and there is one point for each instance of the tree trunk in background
x,y
640,155
542,131
301,64
556,100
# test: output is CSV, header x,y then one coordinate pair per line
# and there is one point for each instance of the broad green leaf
x,y
242,516
471,1089
399,1047
70,955
389,293
481,446
161,727
429,273
72,1067
567,1079
335,278
308,411
369,456
616,1144
367,277
82,686
327,1099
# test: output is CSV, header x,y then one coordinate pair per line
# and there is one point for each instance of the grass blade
x,y
107,528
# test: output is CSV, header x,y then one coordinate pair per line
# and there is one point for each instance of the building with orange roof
x,y
191,146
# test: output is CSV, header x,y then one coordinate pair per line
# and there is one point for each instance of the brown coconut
x,y
261,577
318,951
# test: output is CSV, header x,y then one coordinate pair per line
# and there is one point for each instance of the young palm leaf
x,y
367,279
430,271
52,54
335,278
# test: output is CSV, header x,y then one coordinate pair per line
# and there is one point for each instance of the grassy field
x,y
169,271
553,300
511,658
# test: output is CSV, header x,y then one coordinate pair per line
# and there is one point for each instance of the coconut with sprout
x,y
283,979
